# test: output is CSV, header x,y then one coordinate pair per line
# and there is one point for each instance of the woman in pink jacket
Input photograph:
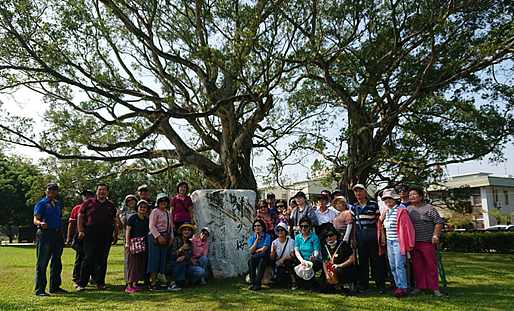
x,y
399,237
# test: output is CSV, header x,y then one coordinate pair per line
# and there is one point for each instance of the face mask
x,y
333,243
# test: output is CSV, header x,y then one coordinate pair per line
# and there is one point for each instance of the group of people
x,y
159,237
333,237
343,240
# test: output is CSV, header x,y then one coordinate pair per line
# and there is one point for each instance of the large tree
x,y
403,77
126,79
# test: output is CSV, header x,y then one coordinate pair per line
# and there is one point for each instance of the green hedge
x,y
478,242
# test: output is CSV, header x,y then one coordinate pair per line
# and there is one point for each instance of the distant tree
x,y
17,178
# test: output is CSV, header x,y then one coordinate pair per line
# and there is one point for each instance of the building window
x,y
506,197
495,195
477,200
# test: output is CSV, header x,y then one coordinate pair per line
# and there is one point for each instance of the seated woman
x,y
282,254
259,244
199,259
262,213
338,261
344,221
307,248
179,256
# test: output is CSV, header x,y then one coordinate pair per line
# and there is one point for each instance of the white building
x,y
487,192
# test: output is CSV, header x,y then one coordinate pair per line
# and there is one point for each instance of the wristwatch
x,y
435,237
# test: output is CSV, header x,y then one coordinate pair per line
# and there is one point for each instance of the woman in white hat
x,y
282,253
399,238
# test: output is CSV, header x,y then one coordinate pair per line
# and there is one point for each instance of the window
x,y
495,195
506,197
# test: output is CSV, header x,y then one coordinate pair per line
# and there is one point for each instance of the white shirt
x,y
327,217
288,244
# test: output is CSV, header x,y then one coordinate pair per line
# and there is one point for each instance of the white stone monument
x,y
229,215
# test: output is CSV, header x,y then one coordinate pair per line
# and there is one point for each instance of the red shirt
x,y
98,214
75,215
181,211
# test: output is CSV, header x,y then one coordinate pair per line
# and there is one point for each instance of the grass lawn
x,y
476,282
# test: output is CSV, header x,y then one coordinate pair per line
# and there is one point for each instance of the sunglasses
x,y
256,226
304,226
280,206
281,230
186,229
144,190
330,235
263,206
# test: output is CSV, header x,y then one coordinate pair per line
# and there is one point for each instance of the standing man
x,y
272,210
143,193
324,215
49,241
98,226
329,196
366,214
403,192
73,231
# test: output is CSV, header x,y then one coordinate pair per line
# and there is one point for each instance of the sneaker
x,y
137,288
417,292
400,293
43,294
174,288
202,281
155,288
58,291
294,287
312,290
130,289
345,292
395,292
438,293
363,290
102,287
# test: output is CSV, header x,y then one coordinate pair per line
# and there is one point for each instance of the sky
x,y
29,105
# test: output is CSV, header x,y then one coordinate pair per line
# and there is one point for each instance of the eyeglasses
x,y
256,226
330,235
281,230
281,205
304,226
143,190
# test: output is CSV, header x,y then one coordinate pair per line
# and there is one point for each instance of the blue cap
x,y
51,185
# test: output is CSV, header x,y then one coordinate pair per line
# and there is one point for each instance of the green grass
x,y
476,282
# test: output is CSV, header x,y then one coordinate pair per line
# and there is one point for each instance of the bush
x,y
478,242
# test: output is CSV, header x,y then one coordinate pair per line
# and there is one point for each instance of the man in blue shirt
x,y
49,241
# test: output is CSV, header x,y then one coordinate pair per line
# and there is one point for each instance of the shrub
x,y
478,242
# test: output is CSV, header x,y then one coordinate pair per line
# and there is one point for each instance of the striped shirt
x,y
367,215
390,223
424,218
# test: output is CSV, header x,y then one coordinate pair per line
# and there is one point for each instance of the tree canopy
x,y
417,84
124,80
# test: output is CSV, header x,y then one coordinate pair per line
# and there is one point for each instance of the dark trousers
x,y
259,261
79,257
49,245
368,254
97,243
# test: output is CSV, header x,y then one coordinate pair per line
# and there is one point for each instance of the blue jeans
x,y
194,273
49,245
179,271
397,263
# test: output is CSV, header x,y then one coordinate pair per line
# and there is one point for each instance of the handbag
x,y
365,234
137,245
77,244
334,280
383,241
